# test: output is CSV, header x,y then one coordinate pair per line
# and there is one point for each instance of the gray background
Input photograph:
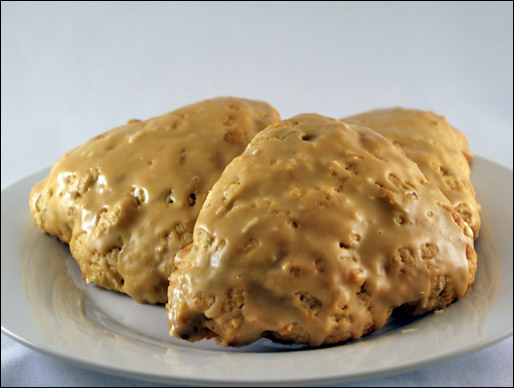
x,y
71,71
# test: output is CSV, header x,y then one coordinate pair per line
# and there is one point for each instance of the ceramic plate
x,y
46,306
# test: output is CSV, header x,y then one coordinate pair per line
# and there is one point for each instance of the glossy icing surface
x,y
126,201
314,235
440,151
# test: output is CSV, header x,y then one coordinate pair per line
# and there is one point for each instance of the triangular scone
x,y
126,201
440,151
314,235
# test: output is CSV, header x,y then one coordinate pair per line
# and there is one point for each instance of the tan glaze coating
x,y
314,235
440,151
126,201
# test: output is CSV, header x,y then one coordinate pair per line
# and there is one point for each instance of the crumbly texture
x,y
440,151
126,201
315,235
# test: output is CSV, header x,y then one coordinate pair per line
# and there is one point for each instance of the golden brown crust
x,y
315,234
126,201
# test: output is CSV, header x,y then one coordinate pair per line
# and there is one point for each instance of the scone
x,y
314,235
440,151
126,201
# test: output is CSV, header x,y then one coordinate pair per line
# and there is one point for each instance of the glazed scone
x,y
314,235
440,151
126,201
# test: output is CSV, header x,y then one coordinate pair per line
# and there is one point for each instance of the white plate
x,y
46,306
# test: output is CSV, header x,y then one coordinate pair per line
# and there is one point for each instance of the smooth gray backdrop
x,y
73,70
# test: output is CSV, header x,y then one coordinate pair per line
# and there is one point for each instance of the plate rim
x,y
383,372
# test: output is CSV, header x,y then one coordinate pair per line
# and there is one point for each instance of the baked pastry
x,y
440,151
314,235
126,201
